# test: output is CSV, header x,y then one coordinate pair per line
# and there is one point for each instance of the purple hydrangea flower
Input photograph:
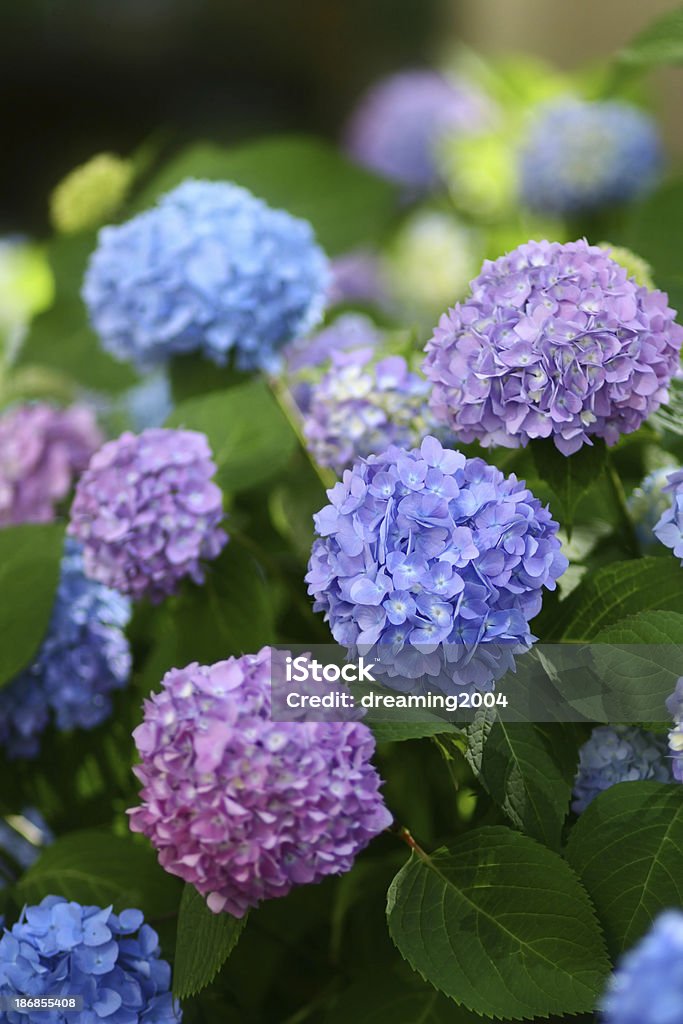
x,y
243,807
357,277
647,987
648,502
42,450
350,330
555,341
210,269
148,512
433,564
582,156
360,407
618,753
675,707
112,961
83,659
669,528
399,122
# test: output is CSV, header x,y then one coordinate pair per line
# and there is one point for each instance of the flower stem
x,y
616,486
284,399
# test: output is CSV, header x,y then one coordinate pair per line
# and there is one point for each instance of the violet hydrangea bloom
x,y
42,450
399,122
112,961
244,807
647,986
433,564
360,407
669,528
582,156
556,341
350,330
147,512
675,707
209,269
618,753
82,660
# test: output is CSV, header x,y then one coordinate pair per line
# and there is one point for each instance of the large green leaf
x,y
627,847
346,205
639,661
570,477
396,731
95,867
501,925
614,592
660,43
528,770
205,941
249,434
29,573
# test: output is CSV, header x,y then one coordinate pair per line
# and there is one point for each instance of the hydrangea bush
x,y
427,379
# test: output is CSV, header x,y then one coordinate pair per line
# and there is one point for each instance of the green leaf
x,y
205,941
398,997
651,230
346,205
570,477
501,925
230,614
98,868
627,847
528,770
29,573
660,43
395,731
639,660
249,434
614,592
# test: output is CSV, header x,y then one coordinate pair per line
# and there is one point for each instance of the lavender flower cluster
x,y
361,407
647,987
243,807
582,156
433,563
112,961
399,122
618,753
555,341
212,269
675,707
42,449
669,528
147,512
83,659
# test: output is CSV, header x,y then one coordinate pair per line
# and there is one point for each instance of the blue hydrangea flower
x,y
209,269
582,156
618,753
669,529
83,659
433,565
675,707
647,987
112,960
648,502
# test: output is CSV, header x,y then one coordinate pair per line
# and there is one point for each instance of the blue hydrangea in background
x,y
209,269
669,529
618,753
648,503
84,657
21,839
433,565
582,156
647,987
111,960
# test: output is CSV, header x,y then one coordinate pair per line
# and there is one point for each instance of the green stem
x,y
284,399
616,486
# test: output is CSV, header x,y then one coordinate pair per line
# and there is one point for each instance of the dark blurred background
x,y
78,76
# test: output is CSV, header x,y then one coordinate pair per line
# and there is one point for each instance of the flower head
x,y
647,987
244,807
618,753
398,123
91,193
148,512
557,341
83,659
210,268
582,156
669,528
435,563
111,960
648,502
42,450
361,406
637,268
